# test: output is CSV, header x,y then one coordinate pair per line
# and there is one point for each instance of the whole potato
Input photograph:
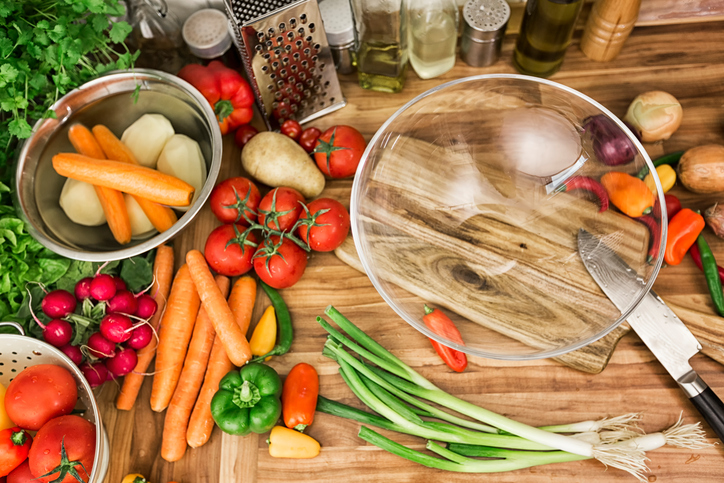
x,y
701,169
277,160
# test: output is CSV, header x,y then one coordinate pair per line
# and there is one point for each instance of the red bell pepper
x,y
226,90
441,324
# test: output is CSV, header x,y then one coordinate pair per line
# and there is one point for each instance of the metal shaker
x,y
483,31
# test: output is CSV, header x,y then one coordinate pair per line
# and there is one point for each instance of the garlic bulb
x,y
657,114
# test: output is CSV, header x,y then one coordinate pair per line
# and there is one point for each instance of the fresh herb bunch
x,y
47,48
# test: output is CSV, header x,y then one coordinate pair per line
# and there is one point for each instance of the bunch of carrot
x,y
201,337
106,163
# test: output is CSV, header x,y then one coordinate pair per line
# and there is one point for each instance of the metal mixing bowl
x,y
108,100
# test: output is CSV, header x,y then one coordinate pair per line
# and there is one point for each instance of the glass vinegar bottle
x,y
433,33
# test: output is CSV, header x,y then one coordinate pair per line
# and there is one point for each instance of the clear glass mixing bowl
x,y
459,203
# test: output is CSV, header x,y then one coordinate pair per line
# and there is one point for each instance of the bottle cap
x,y
206,33
338,23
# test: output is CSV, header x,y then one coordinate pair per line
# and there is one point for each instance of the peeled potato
x,y
141,226
181,157
80,202
146,138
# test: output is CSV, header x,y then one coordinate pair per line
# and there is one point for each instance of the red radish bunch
x,y
117,317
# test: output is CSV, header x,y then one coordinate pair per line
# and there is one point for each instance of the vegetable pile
x,y
41,398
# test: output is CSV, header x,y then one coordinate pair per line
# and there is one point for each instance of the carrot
x,y
162,275
173,445
241,301
111,200
177,325
202,423
161,217
135,180
227,330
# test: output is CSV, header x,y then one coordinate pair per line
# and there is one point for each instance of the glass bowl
x,y
462,202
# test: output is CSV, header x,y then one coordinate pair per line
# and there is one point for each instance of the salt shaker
x,y
339,27
206,33
483,31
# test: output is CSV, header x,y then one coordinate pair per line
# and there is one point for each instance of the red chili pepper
x,y
225,89
684,228
299,396
588,184
655,236
696,256
438,322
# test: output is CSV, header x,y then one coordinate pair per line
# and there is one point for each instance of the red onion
x,y
611,145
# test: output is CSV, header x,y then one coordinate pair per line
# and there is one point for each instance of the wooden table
x,y
685,60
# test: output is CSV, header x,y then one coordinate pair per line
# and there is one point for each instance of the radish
x,y
122,363
146,307
120,284
103,287
73,352
82,288
96,374
58,332
58,303
123,302
101,347
116,328
140,337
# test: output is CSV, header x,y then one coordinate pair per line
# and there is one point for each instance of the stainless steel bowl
x,y
108,100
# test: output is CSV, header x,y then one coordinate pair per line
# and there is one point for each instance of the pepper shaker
x,y
339,27
482,37
609,25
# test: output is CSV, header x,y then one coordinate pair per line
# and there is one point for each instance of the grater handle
x,y
15,325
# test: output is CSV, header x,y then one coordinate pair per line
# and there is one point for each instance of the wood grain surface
x,y
686,60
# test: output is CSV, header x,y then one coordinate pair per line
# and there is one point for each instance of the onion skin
x,y
656,114
701,169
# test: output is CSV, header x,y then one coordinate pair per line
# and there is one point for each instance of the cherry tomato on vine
x,y
309,137
325,225
280,263
339,150
228,252
243,134
292,129
231,195
280,208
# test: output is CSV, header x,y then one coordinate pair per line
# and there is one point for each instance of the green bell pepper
x,y
248,400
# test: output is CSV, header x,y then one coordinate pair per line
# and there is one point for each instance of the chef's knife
x,y
656,324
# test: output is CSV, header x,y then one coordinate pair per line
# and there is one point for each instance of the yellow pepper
x,y
666,175
288,443
5,422
134,478
265,334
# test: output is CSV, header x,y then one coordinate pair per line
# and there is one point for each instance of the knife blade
x,y
656,324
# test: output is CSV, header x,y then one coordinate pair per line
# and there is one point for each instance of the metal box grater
x,y
287,58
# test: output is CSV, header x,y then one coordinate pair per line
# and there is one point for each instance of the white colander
x,y
18,352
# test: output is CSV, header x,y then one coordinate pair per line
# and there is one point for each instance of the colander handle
x,y
17,326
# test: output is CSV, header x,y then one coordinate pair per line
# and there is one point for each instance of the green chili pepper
x,y
711,272
671,158
248,400
286,333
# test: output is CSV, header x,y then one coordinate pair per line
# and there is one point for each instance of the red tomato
x,y
309,137
280,208
39,394
77,435
280,264
292,129
231,195
243,134
327,227
21,474
14,447
339,150
227,253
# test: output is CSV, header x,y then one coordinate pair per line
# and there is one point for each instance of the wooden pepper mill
x,y
608,27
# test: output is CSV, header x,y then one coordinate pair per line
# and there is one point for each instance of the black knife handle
x,y
711,407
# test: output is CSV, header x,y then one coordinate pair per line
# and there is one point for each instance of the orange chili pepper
x,y
684,228
628,193
299,396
